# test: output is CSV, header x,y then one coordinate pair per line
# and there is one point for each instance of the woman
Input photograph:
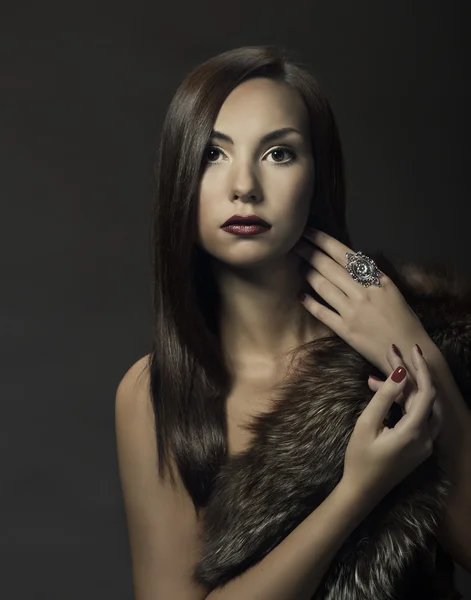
x,y
250,134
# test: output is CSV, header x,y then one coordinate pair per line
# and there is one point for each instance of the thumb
x,y
378,408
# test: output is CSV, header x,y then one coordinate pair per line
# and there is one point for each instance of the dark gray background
x,y
84,90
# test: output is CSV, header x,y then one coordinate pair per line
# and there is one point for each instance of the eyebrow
x,y
268,137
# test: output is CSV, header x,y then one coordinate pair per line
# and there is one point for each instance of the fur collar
x,y
296,458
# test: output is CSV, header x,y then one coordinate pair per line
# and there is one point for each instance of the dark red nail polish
x,y
375,378
398,375
396,350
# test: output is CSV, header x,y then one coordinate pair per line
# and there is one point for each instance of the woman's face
x,y
273,180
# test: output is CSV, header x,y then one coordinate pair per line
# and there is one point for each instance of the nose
x,y
245,185
245,196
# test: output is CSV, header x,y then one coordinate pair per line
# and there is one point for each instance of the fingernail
x,y
398,375
375,378
419,349
396,350
301,296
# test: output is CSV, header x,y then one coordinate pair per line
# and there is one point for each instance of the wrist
x,y
361,499
454,406
454,440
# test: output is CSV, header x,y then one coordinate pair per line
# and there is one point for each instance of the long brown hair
x,y
189,381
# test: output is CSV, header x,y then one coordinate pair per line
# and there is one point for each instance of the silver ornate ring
x,y
363,269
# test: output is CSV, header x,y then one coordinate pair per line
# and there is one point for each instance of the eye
x,y
283,150
214,150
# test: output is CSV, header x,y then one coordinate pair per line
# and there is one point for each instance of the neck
x,y
261,317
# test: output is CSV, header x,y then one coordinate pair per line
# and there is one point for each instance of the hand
x,y
377,457
406,397
370,318
453,443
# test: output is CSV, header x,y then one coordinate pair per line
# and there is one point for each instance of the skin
x,y
258,277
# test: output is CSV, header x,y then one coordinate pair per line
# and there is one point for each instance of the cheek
x,y
209,193
304,184
295,179
295,192
210,215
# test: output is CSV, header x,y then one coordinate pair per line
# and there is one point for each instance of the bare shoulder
x,y
162,523
135,380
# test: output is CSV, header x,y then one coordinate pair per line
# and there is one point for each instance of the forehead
x,y
260,104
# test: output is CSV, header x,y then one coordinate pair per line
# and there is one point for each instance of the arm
x,y
161,521
294,569
454,533
448,293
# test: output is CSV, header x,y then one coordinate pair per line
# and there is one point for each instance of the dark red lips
x,y
246,220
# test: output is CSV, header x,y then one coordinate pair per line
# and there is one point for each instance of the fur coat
x,y
296,459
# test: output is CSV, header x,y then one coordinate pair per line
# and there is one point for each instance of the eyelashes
x,y
283,149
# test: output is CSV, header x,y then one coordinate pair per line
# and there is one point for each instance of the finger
x,y
325,315
327,265
422,404
378,408
375,385
327,290
435,421
330,245
436,418
394,361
